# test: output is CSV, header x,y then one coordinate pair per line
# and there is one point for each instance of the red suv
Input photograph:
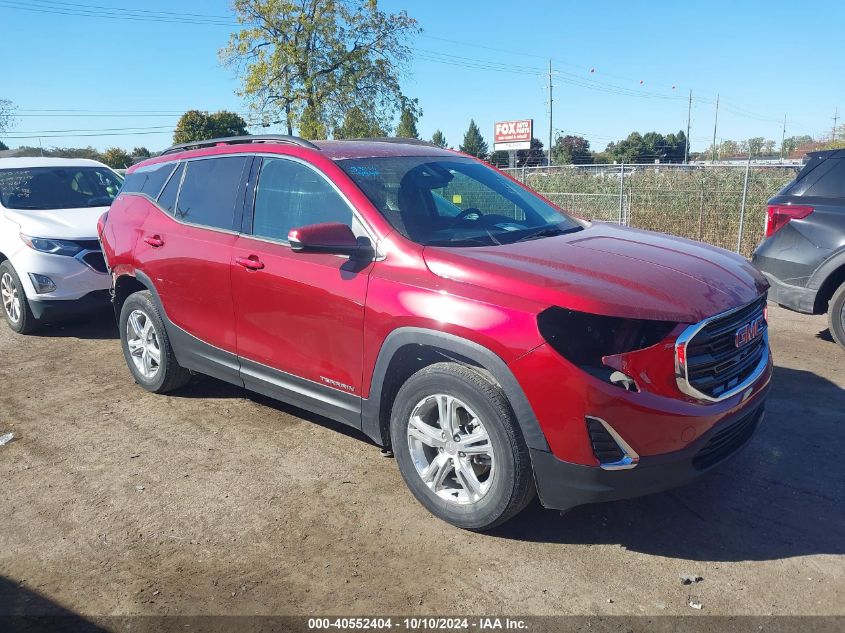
x,y
496,345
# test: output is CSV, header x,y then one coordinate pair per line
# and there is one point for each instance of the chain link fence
x,y
723,205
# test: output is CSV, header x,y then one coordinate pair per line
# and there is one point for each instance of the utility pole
x,y
550,112
782,138
715,125
835,119
689,113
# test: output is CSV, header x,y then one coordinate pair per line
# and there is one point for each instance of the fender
x,y
457,348
828,268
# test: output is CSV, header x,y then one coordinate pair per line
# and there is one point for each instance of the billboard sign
x,y
513,135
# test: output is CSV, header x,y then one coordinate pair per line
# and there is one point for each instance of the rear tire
x,y
15,306
836,316
147,348
472,470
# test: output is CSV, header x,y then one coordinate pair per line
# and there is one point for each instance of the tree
x,y
792,143
116,158
499,158
649,147
474,144
753,146
438,139
141,153
532,157
307,62
407,127
195,125
7,110
357,124
571,150
3,146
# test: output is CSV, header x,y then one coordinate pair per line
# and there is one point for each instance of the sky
x,y
78,79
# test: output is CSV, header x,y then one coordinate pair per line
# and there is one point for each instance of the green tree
x,y
116,158
140,153
499,158
357,124
474,144
307,62
753,146
438,139
407,127
792,144
3,146
196,125
533,157
571,150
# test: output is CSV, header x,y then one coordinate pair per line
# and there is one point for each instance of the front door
x,y
299,317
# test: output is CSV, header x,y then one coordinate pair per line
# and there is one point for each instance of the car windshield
x,y
444,201
58,187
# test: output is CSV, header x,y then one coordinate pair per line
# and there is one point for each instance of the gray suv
x,y
803,254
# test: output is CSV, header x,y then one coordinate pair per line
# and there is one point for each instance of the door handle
x,y
154,240
250,263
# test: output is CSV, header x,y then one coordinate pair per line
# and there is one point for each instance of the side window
x,y
210,189
148,180
167,199
831,184
290,195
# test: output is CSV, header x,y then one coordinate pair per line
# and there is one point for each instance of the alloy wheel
x,y
143,342
11,298
451,449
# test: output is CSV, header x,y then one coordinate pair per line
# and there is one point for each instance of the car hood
x,y
610,270
67,224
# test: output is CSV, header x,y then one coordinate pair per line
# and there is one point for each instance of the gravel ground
x,y
215,501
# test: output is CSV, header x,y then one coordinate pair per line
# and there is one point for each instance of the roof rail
x,y
236,140
395,139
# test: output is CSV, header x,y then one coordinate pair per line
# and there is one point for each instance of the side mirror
x,y
329,237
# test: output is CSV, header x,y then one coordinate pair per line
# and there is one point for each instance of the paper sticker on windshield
x,y
364,172
457,198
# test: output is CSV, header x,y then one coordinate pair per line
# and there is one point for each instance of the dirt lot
x,y
213,501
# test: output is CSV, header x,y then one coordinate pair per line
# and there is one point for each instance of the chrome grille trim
x,y
681,370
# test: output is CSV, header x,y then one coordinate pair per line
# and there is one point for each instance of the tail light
x,y
779,215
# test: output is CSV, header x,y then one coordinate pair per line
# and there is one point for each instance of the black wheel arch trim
x,y
460,350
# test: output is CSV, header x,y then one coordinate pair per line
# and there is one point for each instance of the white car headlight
x,y
52,246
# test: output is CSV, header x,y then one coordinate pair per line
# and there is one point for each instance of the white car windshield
x,y
58,187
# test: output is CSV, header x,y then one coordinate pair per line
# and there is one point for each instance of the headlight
x,y
586,339
54,247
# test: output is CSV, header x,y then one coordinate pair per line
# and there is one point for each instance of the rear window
x,y
826,181
58,187
167,199
210,191
148,180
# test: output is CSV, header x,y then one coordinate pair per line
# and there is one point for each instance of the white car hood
x,y
67,224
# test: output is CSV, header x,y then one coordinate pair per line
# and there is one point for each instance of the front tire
x,y
147,348
16,308
836,315
459,448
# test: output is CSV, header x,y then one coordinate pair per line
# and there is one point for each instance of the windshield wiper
x,y
548,231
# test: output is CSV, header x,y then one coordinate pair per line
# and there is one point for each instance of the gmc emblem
x,y
750,331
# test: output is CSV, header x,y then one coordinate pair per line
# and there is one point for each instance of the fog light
x,y
42,283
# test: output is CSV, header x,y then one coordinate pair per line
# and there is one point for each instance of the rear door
x,y
186,250
299,316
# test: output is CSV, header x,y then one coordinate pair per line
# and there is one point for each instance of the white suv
x,y
51,264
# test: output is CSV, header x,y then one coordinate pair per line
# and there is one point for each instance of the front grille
x,y
715,365
606,450
95,260
728,440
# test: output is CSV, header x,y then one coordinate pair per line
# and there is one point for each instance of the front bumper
x,y
563,485
59,309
